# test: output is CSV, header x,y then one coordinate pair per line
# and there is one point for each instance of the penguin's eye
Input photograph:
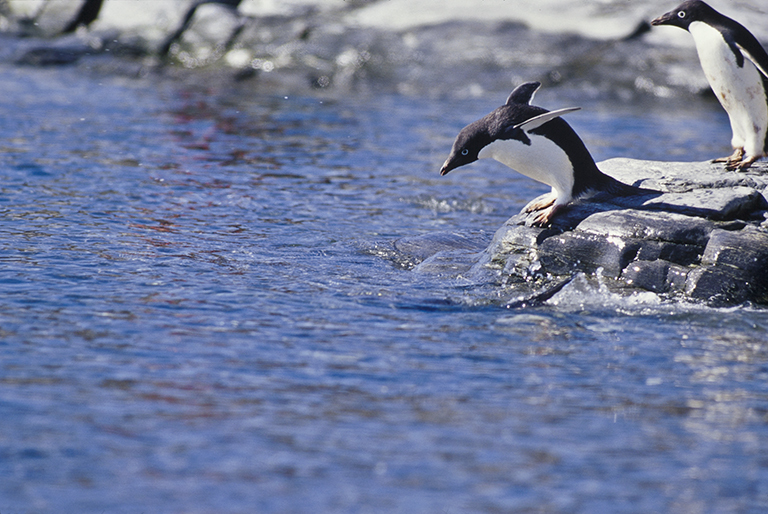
x,y
465,152
682,15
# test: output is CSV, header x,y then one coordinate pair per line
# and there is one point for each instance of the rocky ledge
x,y
702,237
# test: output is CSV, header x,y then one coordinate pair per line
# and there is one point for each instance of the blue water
x,y
203,311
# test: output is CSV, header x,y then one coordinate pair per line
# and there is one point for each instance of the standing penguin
x,y
736,66
540,145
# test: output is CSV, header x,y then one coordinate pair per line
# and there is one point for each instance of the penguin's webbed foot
x,y
733,160
541,204
544,217
545,210
741,165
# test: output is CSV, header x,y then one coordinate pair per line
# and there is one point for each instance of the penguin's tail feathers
x,y
617,188
607,185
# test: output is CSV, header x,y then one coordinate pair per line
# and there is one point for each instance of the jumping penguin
x,y
538,144
736,67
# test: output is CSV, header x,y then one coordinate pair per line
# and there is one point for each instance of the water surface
x,y
203,311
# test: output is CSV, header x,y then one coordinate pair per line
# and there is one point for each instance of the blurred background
x,y
599,49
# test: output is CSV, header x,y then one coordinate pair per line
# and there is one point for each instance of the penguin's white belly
x,y
739,89
542,160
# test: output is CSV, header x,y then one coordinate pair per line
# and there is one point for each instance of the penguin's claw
x,y
732,160
741,165
545,210
541,204
544,217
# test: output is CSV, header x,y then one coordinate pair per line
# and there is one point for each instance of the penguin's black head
x,y
472,138
684,14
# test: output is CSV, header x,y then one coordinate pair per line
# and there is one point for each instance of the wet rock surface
x,y
702,237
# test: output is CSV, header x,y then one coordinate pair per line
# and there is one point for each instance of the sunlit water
x,y
203,311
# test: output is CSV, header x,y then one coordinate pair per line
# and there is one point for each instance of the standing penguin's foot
x,y
734,159
741,165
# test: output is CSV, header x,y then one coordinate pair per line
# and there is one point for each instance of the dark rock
x,y
704,236
650,275
677,277
582,251
514,249
649,226
716,204
734,268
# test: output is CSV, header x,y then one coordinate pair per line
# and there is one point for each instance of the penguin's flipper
x,y
756,53
743,41
523,94
541,119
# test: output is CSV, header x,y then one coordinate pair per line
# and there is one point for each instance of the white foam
x,y
591,293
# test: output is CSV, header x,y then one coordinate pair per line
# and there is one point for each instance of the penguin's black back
x,y
587,176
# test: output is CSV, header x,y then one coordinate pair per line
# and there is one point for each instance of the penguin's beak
x,y
449,164
664,19
456,160
446,167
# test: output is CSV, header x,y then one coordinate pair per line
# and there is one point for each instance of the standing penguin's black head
x,y
685,14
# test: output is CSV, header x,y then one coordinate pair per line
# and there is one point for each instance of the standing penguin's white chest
x,y
739,89
734,86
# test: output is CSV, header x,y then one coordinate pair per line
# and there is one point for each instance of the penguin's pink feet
x,y
545,210
544,217
545,202
743,164
733,160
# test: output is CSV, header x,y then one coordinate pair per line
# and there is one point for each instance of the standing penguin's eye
x,y
464,152
682,15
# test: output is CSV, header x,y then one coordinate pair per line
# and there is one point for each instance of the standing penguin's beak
x,y
664,19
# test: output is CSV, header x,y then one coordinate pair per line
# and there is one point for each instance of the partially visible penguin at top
x,y
540,145
736,67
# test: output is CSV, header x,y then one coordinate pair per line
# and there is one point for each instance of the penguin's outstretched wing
x,y
541,119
